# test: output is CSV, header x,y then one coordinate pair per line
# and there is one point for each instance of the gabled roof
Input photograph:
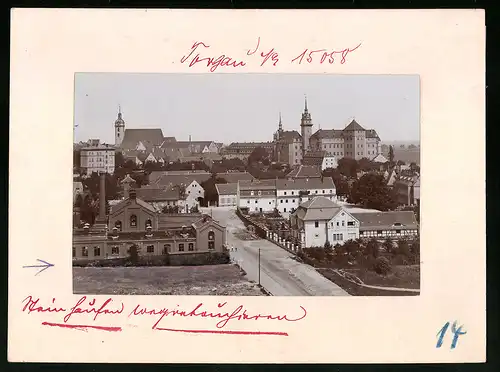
x,y
147,136
257,184
115,208
318,208
353,126
167,179
380,159
127,179
289,135
150,194
305,184
305,171
327,133
371,133
387,220
234,177
226,188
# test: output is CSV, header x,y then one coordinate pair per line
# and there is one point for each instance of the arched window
x,y
118,225
211,240
148,223
133,220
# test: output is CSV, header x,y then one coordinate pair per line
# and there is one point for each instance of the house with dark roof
x,y
142,139
258,196
320,220
227,194
383,225
234,176
304,171
242,150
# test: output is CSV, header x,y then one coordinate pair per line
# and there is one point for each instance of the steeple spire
x,y
305,103
280,125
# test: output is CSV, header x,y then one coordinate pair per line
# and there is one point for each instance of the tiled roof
x,y
371,133
318,208
168,179
169,221
227,188
150,194
169,139
147,136
234,177
327,133
304,171
257,184
353,126
386,220
289,135
305,184
314,158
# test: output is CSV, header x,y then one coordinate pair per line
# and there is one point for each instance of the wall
x,y
125,213
227,200
255,203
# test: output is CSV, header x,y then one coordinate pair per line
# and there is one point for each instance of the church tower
x,y
306,128
277,141
119,128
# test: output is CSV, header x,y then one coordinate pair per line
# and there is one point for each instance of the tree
x,y
259,154
391,155
76,160
388,245
372,248
348,167
402,146
382,266
412,146
371,191
400,162
367,165
78,201
352,249
341,184
403,248
194,209
119,160
414,168
415,250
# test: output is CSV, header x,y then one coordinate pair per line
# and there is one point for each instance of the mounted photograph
x,y
246,184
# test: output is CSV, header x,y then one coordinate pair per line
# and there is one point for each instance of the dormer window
x,y
133,220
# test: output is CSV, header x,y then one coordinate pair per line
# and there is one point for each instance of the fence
x,y
263,232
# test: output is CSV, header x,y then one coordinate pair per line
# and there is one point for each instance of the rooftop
x,y
387,220
305,171
305,183
226,188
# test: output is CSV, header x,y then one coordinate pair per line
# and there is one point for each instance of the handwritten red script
x,y
91,309
271,56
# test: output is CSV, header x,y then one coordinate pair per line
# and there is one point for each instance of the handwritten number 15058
x,y
457,332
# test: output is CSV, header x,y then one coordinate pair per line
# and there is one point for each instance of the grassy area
x,y
356,290
220,280
401,276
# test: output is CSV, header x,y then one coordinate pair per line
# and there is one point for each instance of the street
x,y
280,274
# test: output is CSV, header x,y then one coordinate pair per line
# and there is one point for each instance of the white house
x,y
227,194
257,195
396,225
97,158
291,192
194,192
329,161
320,220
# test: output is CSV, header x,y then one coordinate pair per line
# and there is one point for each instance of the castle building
x,y
353,141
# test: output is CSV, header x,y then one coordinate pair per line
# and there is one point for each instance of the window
x,y
211,240
115,250
292,192
286,201
166,248
350,223
251,193
260,193
74,252
85,252
181,247
133,220
190,247
284,209
316,191
398,231
316,224
97,251
323,191
256,202
293,200
150,249
343,223
284,193
248,201
148,223
281,201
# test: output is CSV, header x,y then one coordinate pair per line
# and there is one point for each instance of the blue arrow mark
x,y
45,266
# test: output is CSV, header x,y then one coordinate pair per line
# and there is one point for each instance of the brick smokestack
x,y
102,196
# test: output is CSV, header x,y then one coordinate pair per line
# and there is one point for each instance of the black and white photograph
x,y
246,184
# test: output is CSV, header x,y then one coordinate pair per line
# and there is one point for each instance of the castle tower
x,y
306,128
119,128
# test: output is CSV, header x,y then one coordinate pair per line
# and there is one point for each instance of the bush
x,y
372,249
382,266
403,248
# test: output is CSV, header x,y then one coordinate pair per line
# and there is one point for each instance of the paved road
x,y
279,273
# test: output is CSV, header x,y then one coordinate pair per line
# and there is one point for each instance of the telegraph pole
x,y
259,266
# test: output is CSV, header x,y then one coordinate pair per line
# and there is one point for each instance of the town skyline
x,y
165,101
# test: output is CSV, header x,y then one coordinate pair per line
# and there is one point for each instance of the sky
x,y
244,107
